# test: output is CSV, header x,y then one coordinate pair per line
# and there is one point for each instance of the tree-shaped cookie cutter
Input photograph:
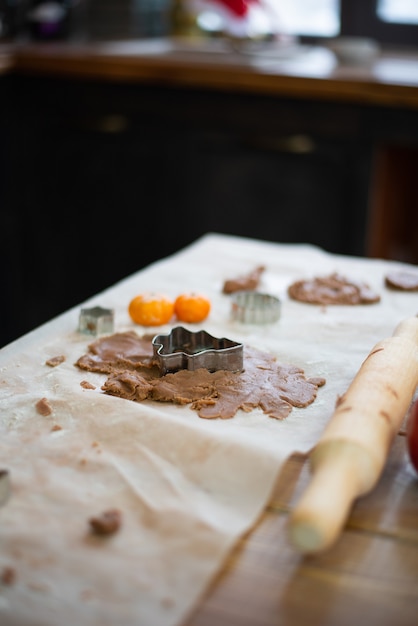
x,y
184,349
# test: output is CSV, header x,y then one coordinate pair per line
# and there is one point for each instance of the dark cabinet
x,y
102,179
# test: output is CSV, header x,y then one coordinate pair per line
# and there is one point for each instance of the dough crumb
x,y
55,360
8,575
86,385
107,523
43,407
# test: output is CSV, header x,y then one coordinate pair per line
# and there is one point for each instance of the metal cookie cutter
x,y
253,307
4,486
96,321
183,349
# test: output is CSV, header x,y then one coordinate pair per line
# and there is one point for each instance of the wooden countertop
x,y
302,71
372,570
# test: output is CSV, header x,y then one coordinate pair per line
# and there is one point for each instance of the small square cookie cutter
x,y
184,349
253,307
4,486
96,321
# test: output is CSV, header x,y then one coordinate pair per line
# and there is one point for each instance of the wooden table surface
x,y
312,72
369,576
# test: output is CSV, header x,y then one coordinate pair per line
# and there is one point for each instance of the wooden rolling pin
x,y
351,453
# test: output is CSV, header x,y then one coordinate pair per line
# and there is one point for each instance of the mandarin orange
x,y
151,309
192,307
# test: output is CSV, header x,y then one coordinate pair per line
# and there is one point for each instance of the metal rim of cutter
x,y
254,307
185,349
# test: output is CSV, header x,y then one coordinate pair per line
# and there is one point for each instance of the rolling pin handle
x,y
341,471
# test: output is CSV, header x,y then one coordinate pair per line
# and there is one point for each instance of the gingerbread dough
x,y
403,281
248,282
333,289
264,383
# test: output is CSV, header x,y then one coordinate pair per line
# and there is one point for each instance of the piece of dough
x,y
332,289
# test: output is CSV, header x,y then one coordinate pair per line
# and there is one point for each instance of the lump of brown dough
x,y
107,523
248,282
333,289
119,352
55,360
264,383
128,385
8,575
402,281
188,387
273,387
43,407
86,385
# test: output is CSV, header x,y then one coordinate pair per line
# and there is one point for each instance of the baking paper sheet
x,y
187,488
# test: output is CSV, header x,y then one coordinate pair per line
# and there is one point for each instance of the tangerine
x,y
151,309
192,307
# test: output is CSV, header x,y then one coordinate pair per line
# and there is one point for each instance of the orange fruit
x,y
151,309
191,307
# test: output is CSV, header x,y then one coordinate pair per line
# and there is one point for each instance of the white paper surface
x,y
187,488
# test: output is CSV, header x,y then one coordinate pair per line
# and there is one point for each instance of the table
x,y
371,572
205,502
303,72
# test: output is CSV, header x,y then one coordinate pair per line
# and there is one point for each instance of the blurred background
x,y
389,21
99,178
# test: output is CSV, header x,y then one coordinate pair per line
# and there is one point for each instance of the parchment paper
x,y
187,488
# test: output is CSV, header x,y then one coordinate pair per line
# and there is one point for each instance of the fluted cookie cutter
x,y
253,307
184,349
96,321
